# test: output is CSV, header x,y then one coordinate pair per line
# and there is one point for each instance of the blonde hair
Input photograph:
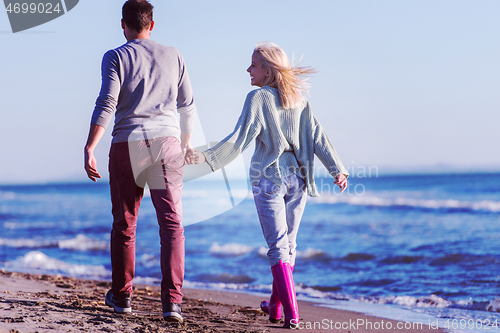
x,y
291,81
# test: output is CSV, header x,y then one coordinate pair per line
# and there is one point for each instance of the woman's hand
x,y
341,181
193,156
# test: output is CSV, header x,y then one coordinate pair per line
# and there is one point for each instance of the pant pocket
x,y
266,188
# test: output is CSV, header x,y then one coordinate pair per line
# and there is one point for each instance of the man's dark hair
x,y
137,14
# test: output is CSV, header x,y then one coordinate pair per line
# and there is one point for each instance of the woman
x,y
281,173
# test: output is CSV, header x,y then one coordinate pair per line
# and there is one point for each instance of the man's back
x,y
147,82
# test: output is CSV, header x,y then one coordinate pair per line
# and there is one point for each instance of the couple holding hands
x,y
147,84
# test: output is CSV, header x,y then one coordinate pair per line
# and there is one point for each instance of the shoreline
x,y
48,303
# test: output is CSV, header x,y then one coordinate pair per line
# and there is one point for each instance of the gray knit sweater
x,y
148,84
286,141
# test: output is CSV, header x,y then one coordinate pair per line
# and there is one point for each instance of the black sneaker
x,y
121,305
172,312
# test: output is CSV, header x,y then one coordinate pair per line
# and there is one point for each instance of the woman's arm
x,y
246,130
327,154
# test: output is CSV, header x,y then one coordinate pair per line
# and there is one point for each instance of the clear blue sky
x,y
401,84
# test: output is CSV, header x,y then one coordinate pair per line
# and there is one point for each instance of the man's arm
x,y
90,164
104,107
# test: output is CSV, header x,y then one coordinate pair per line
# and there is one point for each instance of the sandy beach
x,y
46,303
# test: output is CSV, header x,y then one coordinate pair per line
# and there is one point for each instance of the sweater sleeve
x,y
325,151
107,100
185,99
246,130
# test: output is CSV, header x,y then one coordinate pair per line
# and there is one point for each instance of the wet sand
x,y
46,303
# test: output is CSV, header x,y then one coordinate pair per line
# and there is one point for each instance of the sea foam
x,y
83,243
229,250
366,200
494,305
80,243
7,195
235,250
311,254
27,243
39,262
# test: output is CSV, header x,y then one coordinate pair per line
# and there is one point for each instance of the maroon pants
x,y
159,163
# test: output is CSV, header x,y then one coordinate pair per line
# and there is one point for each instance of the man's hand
x,y
341,181
91,165
186,146
195,157
188,152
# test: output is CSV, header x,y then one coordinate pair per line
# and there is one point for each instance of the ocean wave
x,y
30,225
80,243
443,260
319,292
460,258
27,243
327,294
432,301
83,243
148,260
39,262
239,287
316,255
262,252
211,194
418,302
396,260
25,197
494,305
236,250
450,204
7,196
312,254
353,257
6,217
147,280
208,193
226,278
373,282
229,250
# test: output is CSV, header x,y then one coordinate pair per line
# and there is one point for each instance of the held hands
x,y
187,150
341,181
194,156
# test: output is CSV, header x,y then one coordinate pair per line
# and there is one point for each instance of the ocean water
x,y
421,248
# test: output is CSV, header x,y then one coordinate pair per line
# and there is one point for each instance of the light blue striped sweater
x,y
286,141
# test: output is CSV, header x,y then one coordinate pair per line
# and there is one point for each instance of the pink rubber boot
x,y
273,307
282,275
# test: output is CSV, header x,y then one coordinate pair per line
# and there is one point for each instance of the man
x,y
147,83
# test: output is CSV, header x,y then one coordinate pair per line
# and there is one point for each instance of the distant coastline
x,y
383,171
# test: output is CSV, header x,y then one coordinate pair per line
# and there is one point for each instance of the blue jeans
x,y
280,209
